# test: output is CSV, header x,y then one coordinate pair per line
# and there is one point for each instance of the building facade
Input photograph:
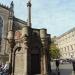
x,y
66,44
33,55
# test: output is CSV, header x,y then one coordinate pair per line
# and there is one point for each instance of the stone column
x,y
48,53
11,15
10,24
8,28
29,13
43,52
25,34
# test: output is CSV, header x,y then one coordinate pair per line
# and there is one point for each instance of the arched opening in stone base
x,y
35,64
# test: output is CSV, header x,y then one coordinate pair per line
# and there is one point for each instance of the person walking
x,y
5,69
57,66
73,64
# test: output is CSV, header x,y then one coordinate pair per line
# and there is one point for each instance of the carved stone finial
x,y
29,12
29,3
11,9
12,4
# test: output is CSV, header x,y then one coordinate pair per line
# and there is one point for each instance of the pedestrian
x,y
73,63
0,69
6,69
2,66
57,64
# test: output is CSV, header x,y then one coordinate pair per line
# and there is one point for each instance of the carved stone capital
x,y
29,4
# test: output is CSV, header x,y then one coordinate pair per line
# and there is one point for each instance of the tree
x,y
54,51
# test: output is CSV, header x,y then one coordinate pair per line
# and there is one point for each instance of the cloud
x,y
56,15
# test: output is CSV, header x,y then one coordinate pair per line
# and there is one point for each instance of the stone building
x,y
33,55
66,44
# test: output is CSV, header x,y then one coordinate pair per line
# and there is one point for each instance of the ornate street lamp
x,y
11,42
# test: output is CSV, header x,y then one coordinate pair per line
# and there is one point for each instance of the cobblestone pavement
x,y
65,69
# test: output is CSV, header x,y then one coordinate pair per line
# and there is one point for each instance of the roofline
x,y
19,20
35,29
4,6
73,29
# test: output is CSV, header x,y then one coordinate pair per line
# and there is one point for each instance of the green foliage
x,y
54,51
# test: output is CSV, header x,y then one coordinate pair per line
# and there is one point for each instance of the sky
x,y
57,16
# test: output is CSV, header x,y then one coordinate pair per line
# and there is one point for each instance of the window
x,y
71,47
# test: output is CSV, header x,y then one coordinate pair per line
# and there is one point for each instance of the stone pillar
x,y
43,52
11,42
29,13
10,23
25,34
10,26
48,53
11,15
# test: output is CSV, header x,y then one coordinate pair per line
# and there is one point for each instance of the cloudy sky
x,y
57,16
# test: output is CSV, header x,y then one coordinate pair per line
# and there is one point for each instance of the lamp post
x,y
11,42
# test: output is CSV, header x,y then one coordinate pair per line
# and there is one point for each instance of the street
x,y
65,69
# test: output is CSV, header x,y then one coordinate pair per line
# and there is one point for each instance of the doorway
x,y
35,64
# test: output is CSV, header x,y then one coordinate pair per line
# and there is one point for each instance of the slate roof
x,y
19,20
